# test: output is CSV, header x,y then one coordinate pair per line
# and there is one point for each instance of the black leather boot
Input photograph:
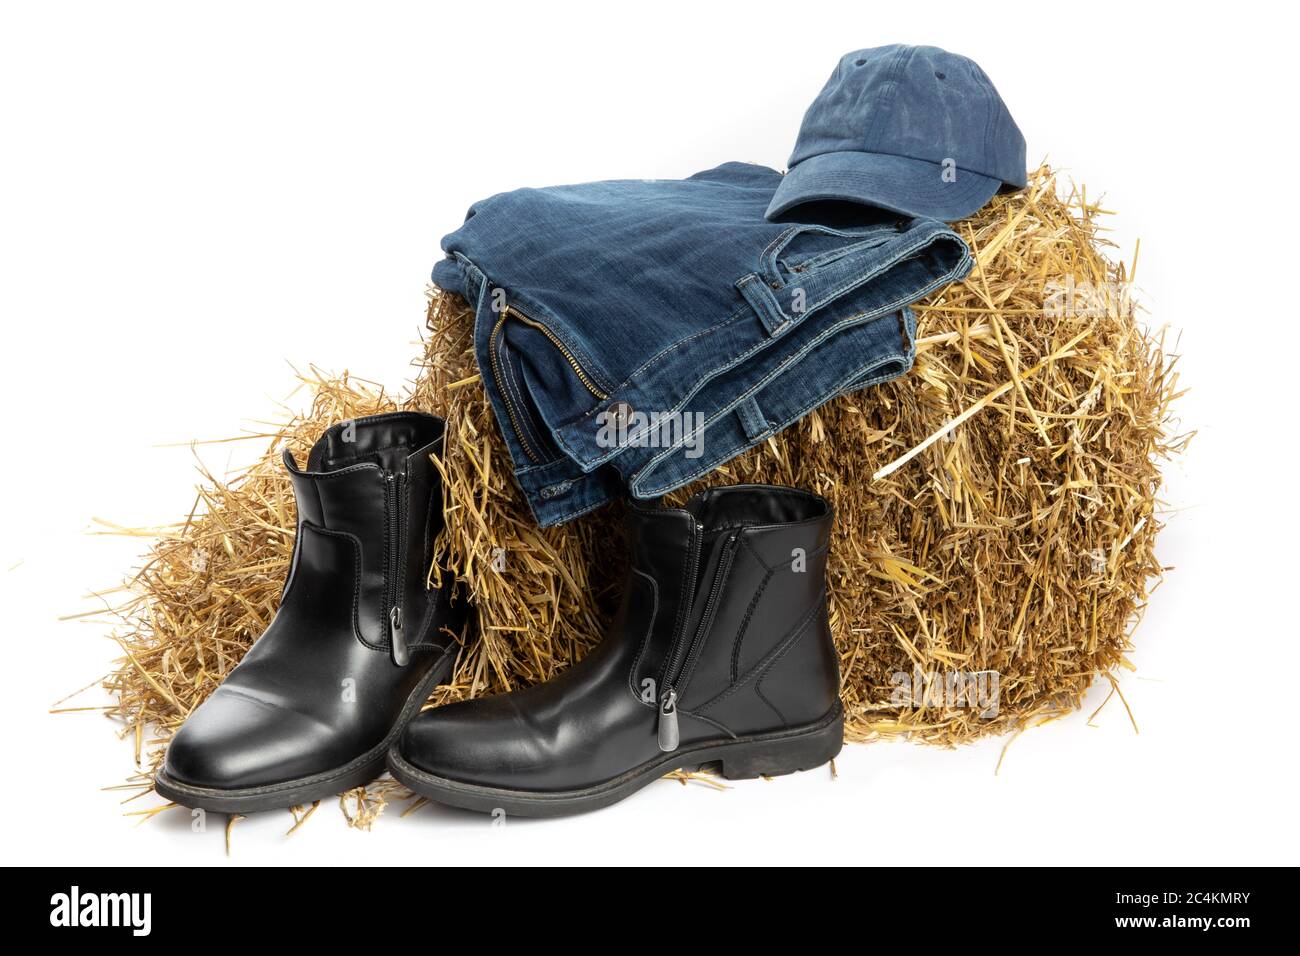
x,y
721,652
357,643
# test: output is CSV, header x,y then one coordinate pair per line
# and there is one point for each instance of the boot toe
x,y
477,741
234,741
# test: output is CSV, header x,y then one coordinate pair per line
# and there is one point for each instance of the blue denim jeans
x,y
635,334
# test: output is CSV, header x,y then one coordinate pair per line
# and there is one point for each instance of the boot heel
x,y
776,756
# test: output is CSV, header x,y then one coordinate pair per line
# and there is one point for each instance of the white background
x,y
194,197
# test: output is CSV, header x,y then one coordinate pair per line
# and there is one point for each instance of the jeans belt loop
x,y
752,419
760,298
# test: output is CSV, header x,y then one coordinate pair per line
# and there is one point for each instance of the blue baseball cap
x,y
914,130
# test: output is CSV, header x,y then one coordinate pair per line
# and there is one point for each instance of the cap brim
x,y
910,187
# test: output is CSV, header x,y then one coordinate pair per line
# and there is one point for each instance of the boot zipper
x,y
669,737
683,649
396,570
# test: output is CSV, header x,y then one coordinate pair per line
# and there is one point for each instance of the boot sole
x,y
304,790
761,755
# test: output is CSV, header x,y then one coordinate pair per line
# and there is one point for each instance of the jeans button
x,y
622,412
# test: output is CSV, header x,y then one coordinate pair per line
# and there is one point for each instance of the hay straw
x,y
1009,524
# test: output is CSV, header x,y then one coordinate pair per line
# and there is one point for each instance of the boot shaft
x,y
372,483
734,588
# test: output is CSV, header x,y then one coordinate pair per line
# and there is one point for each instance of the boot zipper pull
x,y
669,737
397,639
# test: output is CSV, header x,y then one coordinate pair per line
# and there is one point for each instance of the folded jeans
x,y
635,334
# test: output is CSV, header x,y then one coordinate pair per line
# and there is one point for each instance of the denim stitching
x,y
834,330
767,258
860,318
707,375
517,390
770,256
590,366
580,510
890,86
834,255
740,313
952,275
915,246
815,403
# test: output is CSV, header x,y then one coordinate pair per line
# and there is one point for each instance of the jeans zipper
x,y
396,569
563,349
669,735
505,393
493,344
